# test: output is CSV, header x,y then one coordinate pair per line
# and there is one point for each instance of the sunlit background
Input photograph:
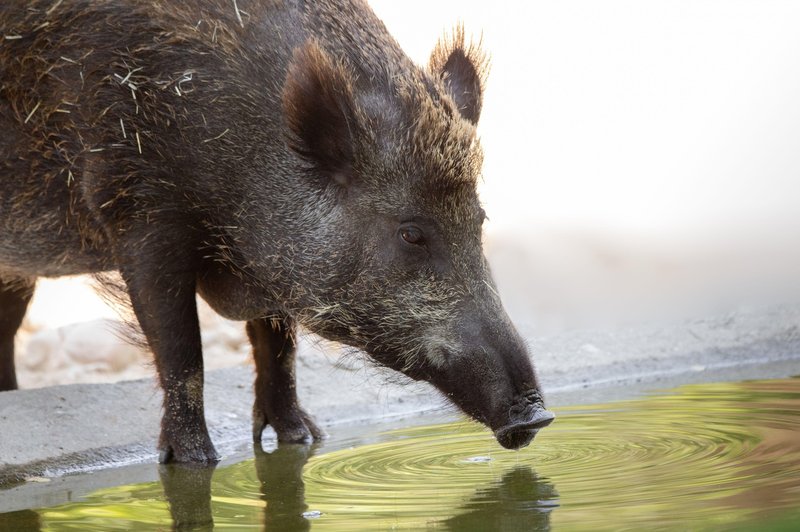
x,y
642,163
640,156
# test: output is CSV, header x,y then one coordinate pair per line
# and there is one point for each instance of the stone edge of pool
x,y
47,433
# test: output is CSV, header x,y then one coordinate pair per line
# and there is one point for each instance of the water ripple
x,y
710,454
702,457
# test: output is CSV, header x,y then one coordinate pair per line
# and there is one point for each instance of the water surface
x,y
702,457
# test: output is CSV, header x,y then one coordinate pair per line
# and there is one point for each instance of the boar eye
x,y
412,235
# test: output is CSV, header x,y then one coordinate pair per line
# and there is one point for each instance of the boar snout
x,y
526,416
488,373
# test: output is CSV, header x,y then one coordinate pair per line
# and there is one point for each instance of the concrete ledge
x,y
64,429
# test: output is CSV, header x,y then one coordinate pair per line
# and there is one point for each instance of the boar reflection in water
x,y
288,163
518,500
188,489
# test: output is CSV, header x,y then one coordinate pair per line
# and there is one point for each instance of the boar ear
x,y
463,68
318,106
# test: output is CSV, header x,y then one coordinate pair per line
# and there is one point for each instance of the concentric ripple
x,y
707,456
715,456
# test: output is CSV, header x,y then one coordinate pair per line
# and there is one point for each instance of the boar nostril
x,y
532,397
524,407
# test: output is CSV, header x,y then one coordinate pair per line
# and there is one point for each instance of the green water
x,y
705,457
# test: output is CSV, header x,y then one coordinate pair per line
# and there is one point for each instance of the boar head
x,y
396,268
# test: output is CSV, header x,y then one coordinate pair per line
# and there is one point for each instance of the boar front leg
x,y
274,345
164,303
15,294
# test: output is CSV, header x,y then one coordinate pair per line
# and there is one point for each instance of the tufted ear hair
x,y
319,109
463,68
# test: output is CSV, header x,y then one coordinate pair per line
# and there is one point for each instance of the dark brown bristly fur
x,y
284,160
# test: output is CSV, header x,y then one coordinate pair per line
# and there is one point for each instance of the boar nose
x,y
526,417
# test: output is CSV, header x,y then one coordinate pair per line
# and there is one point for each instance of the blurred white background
x,y
642,157
642,163
643,117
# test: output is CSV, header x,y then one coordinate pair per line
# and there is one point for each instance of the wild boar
x,y
286,161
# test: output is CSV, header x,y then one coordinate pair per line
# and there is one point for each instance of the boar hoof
x,y
294,426
203,453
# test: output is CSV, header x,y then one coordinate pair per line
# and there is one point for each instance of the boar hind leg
x,y
276,404
14,298
165,306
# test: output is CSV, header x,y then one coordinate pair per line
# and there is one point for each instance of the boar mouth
x,y
520,432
